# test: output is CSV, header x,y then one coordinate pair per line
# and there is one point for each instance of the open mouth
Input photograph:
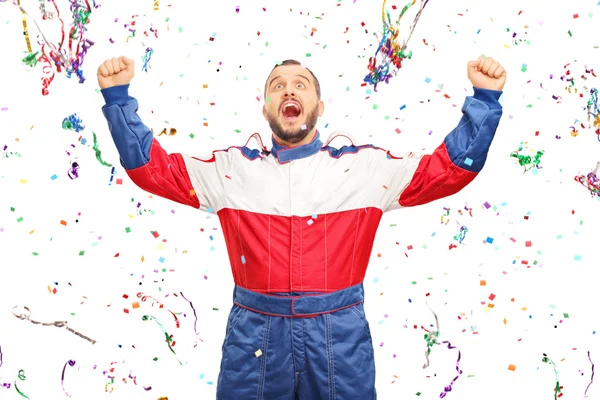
x,y
291,111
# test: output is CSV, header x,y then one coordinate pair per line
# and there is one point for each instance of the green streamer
x,y
31,59
21,377
527,161
557,387
99,153
167,336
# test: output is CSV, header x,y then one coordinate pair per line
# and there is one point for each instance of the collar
x,y
287,154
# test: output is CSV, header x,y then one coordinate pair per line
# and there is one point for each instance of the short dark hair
x,y
294,62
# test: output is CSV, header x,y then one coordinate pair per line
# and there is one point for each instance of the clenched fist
x,y
115,72
486,73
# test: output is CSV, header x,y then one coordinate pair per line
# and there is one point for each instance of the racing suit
x,y
299,225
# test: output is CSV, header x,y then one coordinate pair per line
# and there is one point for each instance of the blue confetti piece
x,y
577,258
427,80
403,107
162,259
243,260
489,240
53,177
468,161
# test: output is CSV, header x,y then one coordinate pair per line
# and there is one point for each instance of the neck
x,y
309,138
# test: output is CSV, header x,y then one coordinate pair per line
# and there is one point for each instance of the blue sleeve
x,y
132,138
469,142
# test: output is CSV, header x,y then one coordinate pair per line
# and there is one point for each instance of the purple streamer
x,y
592,380
4,385
195,316
448,388
62,380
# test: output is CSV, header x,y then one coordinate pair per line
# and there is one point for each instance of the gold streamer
x,y
25,30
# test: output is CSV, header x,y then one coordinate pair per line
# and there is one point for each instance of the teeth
x,y
290,105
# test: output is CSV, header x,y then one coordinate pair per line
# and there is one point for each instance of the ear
x,y
321,108
265,111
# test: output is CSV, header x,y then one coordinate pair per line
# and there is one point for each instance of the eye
x,y
300,85
278,86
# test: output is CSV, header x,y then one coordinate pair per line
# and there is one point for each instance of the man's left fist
x,y
486,73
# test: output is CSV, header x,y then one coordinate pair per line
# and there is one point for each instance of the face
x,y
292,107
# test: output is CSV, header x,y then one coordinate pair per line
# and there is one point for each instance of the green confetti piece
x,y
570,34
20,219
180,29
192,135
375,106
35,253
128,230
12,209
82,252
308,54
215,309
566,315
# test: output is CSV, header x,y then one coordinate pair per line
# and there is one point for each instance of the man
x,y
299,222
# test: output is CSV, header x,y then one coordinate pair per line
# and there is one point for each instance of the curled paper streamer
x,y
461,235
3,384
592,379
73,172
25,314
528,162
22,378
144,297
391,51
146,58
195,316
557,388
74,123
62,380
168,337
431,339
99,153
591,181
25,30
71,59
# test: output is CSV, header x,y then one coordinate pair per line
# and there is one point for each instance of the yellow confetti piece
x,y
22,180
258,353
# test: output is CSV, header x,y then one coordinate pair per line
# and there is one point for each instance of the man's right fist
x,y
115,72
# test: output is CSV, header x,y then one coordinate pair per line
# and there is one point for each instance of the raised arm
x,y
175,176
414,180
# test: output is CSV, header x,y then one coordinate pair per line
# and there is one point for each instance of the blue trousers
x,y
297,346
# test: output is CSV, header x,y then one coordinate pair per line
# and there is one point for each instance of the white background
x,y
561,270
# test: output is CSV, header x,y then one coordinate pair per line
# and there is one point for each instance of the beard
x,y
293,135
